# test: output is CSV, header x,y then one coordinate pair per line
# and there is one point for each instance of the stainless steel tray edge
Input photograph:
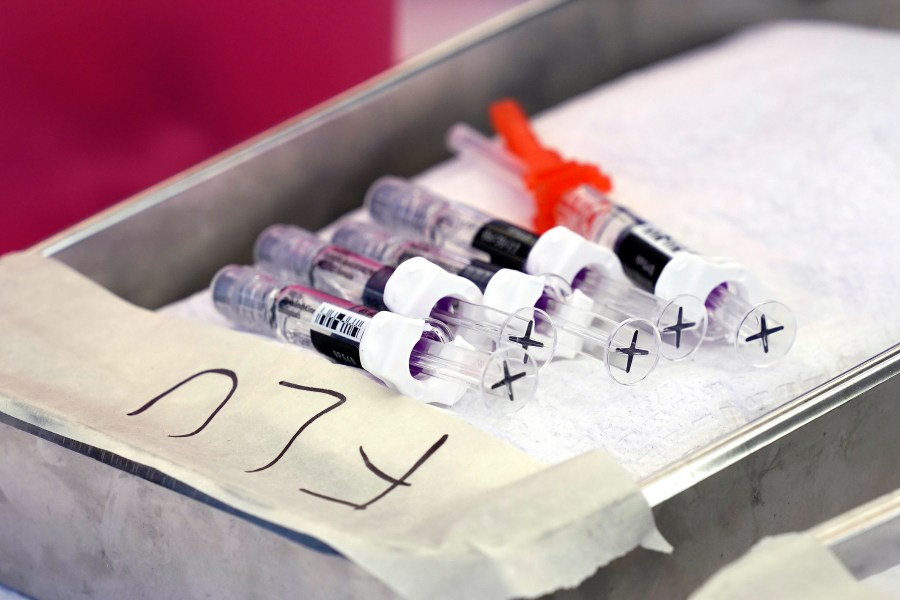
x,y
828,452
780,422
866,539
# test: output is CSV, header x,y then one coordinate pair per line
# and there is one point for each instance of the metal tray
x,y
815,457
866,539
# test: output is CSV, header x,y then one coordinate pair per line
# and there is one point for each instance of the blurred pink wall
x,y
100,99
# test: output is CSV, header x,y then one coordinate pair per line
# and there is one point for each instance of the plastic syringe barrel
x,y
377,243
413,210
416,211
299,256
263,303
405,207
291,253
391,347
642,250
295,254
246,297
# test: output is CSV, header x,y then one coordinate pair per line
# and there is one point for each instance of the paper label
x,y
413,495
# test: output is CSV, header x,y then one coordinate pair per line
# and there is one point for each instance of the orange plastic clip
x,y
547,174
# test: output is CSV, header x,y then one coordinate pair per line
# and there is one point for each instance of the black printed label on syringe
x,y
479,273
644,251
294,306
373,291
345,264
337,332
507,245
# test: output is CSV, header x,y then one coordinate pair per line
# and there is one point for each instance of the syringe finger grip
x,y
388,343
563,252
418,284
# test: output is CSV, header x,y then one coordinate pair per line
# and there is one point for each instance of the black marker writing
x,y
341,398
224,372
395,483
378,471
632,351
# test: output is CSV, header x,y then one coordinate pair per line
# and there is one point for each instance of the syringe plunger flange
x,y
682,324
760,333
633,351
509,380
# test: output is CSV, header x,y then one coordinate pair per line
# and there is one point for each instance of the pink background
x,y
100,99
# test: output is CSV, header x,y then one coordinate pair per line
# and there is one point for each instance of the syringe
x,y
651,258
681,322
413,210
580,330
413,356
416,288
378,243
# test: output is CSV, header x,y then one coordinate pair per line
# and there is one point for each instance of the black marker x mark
x,y
764,333
508,380
526,340
679,327
632,351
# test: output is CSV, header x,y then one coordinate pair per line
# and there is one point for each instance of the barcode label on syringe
x,y
337,332
340,321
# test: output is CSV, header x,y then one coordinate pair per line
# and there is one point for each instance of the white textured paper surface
x,y
419,498
779,147
794,566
